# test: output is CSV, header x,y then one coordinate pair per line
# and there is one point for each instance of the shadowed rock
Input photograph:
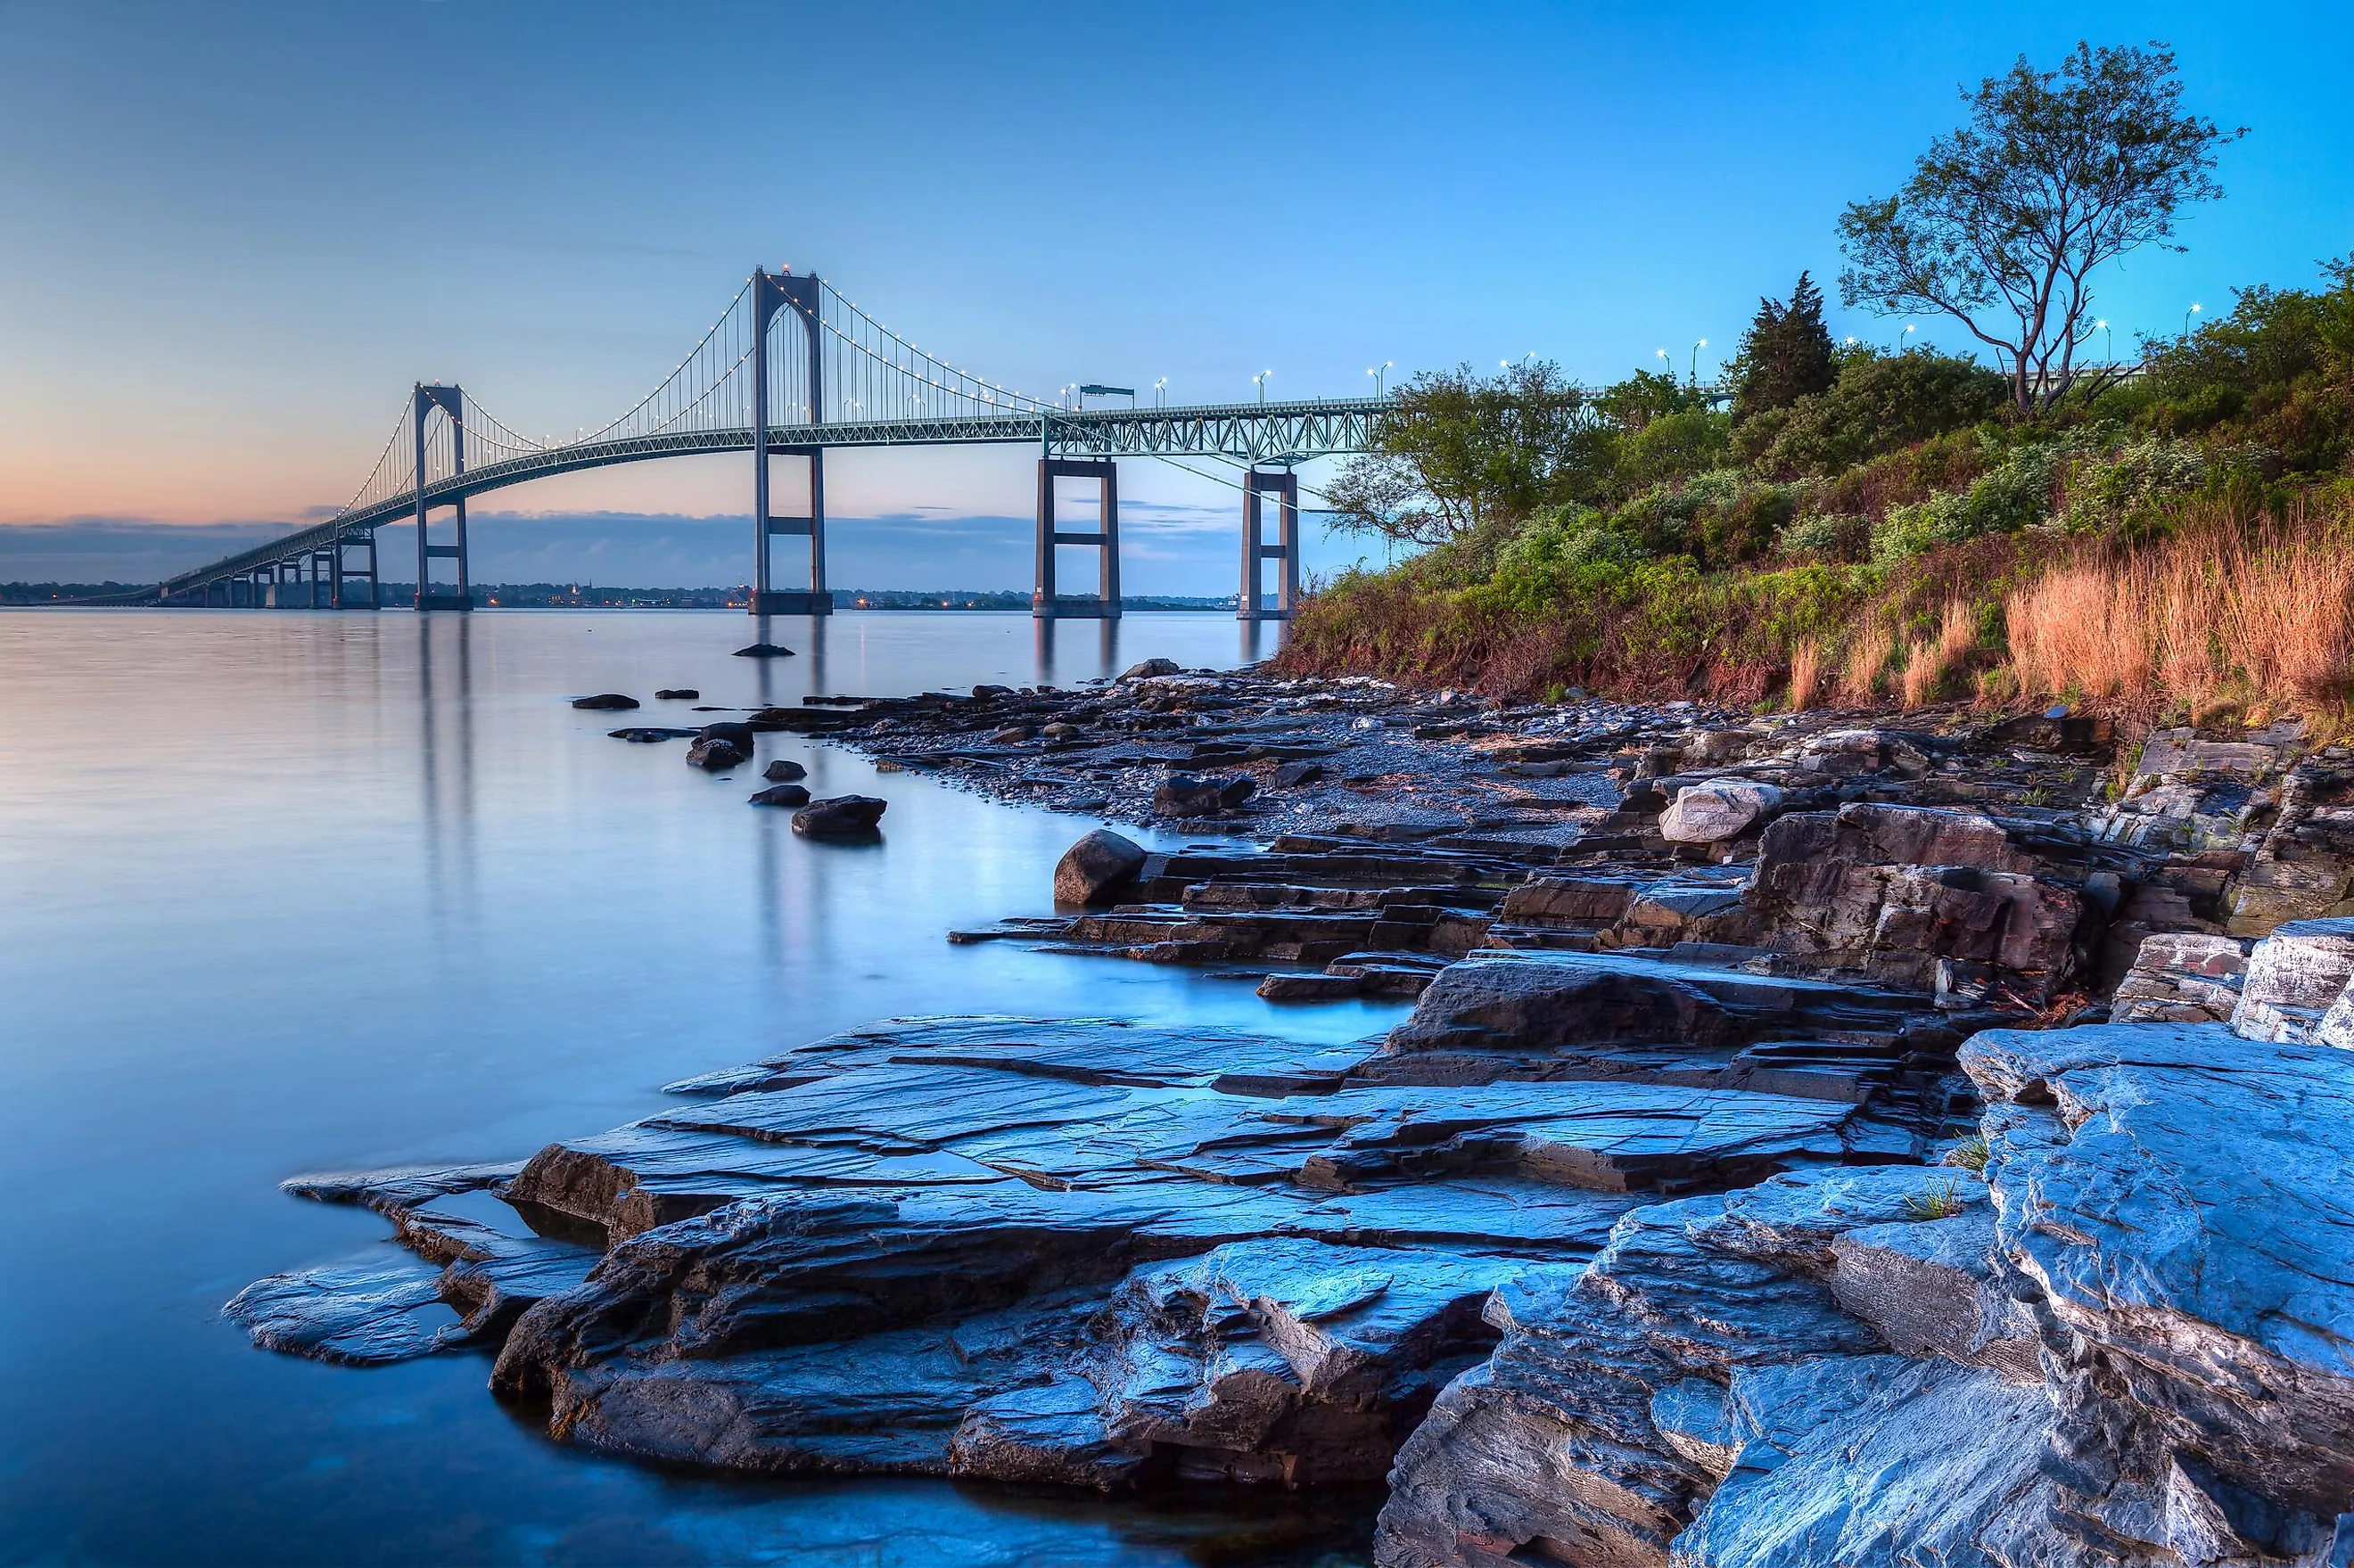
x,y
1095,866
781,795
844,816
783,770
613,700
714,756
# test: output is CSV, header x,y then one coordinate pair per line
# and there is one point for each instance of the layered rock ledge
x,y
1812,1144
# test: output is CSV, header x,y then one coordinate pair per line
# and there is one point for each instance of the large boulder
x,y
1095,866
842,817
2182,977
1893,892
1718,809
1150,668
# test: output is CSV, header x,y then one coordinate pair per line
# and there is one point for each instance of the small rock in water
x,y
765,650
784,770
735,732
782,795
714,756
844,816
648,735
605,700
1189,795
1095,865
678,693
1151,668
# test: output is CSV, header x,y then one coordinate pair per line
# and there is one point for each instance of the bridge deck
x,y
1244,432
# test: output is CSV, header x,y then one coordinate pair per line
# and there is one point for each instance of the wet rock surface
x,y
1814,1142
842,817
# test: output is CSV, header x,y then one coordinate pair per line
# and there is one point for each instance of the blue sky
x,y
234,233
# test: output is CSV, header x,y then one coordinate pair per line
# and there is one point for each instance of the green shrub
x,y
2007,497
1825,535
1880,403
2118,492
1671,446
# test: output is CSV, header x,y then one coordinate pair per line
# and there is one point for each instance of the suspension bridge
x,y
790,371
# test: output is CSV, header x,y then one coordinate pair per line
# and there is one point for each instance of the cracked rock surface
x,y
1815,1143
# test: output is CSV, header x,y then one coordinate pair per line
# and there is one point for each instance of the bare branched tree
x,y
2056,172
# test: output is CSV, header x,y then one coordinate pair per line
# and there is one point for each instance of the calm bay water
x,y
283,892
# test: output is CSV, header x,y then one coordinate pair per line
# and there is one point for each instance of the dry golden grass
x,y
1924,668
1957,632
1866,658
2265,615
1806,675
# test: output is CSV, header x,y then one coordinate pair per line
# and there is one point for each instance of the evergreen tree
x,y
1786,354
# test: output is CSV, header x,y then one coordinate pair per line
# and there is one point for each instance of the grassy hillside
x,y
2185,539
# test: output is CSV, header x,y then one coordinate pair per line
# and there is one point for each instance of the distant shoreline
x,y
565,596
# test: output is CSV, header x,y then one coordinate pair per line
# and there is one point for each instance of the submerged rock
x,y
844,816
764,651
614,700
678,693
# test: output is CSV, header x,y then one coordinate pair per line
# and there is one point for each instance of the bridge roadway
x,y
1076,443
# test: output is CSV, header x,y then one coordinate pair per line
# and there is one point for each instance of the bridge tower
x,y
1251,604
451,401
771,292
1045,602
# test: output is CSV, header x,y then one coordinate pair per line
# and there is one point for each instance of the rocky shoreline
x,y
1816,1141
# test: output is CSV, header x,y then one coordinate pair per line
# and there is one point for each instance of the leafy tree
x,y
1786,354
2056,172
1646,395
1464,455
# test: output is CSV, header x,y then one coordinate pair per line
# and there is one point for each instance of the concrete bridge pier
x,y
1251,604
1045,602
766,525
340,595
451,401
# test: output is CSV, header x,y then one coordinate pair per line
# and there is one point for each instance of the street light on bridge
x,y
1695,360
1260,381
1159,394
1380,372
